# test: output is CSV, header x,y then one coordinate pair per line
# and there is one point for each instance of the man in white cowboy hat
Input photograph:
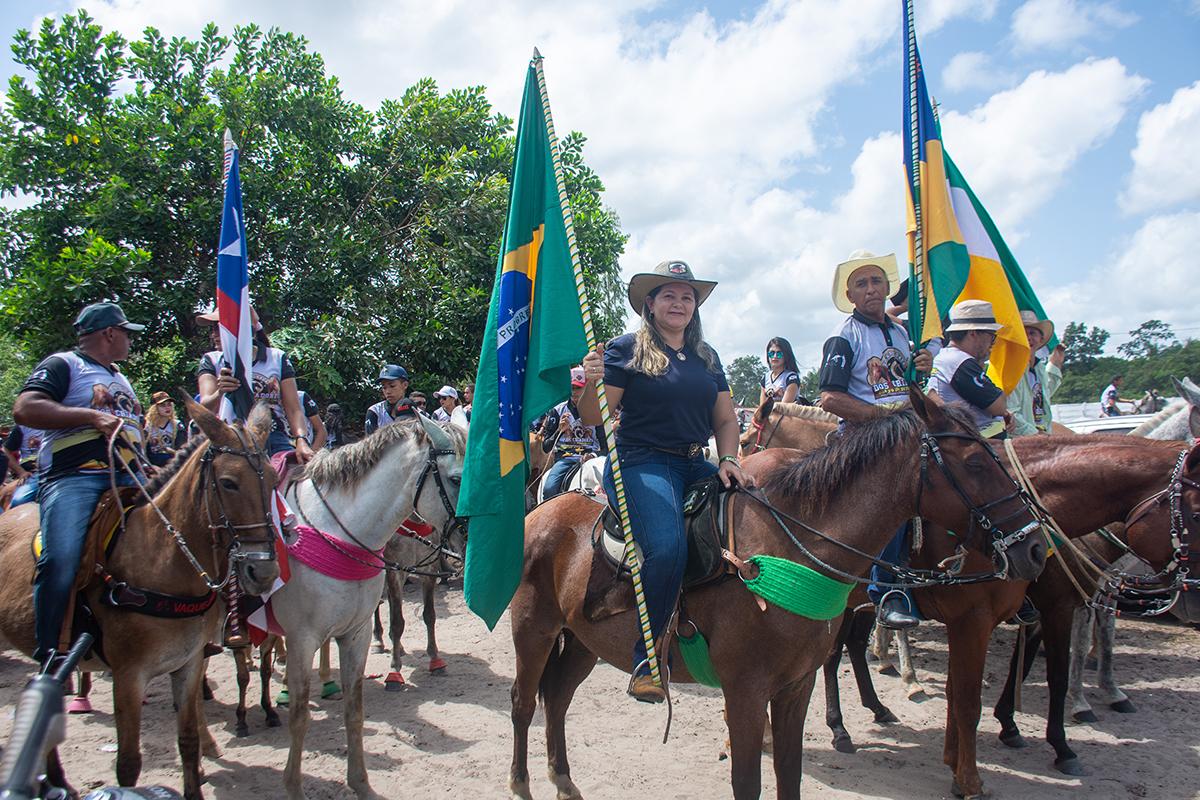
x,y
862,378
1029,402
958,375
447,398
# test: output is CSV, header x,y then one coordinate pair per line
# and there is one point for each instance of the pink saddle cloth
x,y
335,558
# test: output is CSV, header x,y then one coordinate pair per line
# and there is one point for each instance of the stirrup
x,y
664,675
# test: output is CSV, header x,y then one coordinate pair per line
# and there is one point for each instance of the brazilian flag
x,y
534,335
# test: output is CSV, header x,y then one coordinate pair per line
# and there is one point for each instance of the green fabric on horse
x,y
797,588
695,655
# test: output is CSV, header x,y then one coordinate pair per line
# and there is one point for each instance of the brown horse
x,y
216,494
558,635
790,425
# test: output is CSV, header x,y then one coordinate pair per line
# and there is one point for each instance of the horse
x,y
350,501
1150,403
207,518
775,425
558,638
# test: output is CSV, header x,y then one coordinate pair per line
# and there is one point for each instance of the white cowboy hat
x,y
973,315
642,284
1030,319
857,260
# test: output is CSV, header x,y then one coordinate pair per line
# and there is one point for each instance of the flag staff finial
x,y
537,54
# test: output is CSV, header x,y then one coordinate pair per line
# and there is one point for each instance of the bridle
x,y
1122,593
759,444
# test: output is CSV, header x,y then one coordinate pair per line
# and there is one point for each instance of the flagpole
x,y
917,278
606,416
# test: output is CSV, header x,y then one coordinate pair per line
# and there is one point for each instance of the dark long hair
x,y
789,358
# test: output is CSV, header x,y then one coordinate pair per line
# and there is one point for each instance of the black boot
x,y
1027,614
894,612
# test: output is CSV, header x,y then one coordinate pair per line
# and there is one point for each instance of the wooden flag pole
x,y
589,331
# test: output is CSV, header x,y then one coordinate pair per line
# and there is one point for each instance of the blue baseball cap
x,y
393,372
99,316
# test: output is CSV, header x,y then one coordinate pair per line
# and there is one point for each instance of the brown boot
x,y
643,689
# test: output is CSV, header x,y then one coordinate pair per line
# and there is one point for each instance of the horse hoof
x,y
282,698
1122,706
958,792
206,691
242,730
437,665
330,689
1085,717
394,682
844,744
380,648
79,705
1091,664
918,695
1071,766
884,716
1014,740
889,670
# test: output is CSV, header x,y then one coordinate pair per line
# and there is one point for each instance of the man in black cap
x,y
393,383
80,400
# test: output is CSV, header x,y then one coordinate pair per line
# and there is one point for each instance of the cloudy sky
x,y
760,141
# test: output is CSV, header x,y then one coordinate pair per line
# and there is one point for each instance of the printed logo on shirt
x,y
39,375
113,399
885,374
836,360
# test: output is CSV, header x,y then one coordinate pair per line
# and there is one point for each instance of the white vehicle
x,y
1118,425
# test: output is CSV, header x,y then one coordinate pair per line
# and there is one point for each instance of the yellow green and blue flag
x,y
956,253
534,335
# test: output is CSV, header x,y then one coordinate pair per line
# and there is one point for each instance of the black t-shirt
x,y
671,410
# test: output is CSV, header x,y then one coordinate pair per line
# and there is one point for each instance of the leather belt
x,y
690,451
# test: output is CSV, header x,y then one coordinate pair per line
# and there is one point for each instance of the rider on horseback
x,y
863,378
572,442
672,390
80,400
393,384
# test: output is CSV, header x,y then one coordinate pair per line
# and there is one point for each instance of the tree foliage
x,y
1083,348
1083,383
1149,339
745,374
372,235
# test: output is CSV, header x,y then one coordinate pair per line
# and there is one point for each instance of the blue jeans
x,y
556,475
27,493
67,504
654,485
278,442
896,552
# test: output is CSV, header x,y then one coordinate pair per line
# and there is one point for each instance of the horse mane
x,y
346,466
811,413
817,478
171,468
1158,419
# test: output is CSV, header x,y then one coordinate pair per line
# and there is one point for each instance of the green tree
x,y
745,374
1083,348
810,383
1149,339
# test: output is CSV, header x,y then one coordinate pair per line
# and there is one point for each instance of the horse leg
x,y
1081,640
968,649
380,647
1010,733
882,651
185,689
264,681
1056,636
856,647
557,686
241,657
329,687
129,689
56,775
394,682
429,614
746,714
788,710
352,658
908,671
80,704
1106,630
842,742
536,647
299,684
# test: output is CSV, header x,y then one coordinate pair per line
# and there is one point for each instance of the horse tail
x,y
550,671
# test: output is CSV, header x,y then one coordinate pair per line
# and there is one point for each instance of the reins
x,y
759,444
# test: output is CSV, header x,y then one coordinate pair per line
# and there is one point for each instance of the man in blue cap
x,y
393,383
80,400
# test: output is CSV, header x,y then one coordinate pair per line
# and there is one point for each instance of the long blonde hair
x,y
649,349
157,418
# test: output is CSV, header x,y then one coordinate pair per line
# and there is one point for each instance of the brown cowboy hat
x,y
642,284
1030,320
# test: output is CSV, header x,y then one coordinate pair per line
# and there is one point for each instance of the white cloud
x,y
973,70
1060,23
932,14
1017,148
1166,160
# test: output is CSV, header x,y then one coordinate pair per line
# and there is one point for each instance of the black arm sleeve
x,y
549,428
206,366
12,442
286,370
974,386
310,406
52,377
837,358
371,423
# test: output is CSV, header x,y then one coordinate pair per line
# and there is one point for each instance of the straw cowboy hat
x,y
207,318
642,284
1029,319
857,260
973,315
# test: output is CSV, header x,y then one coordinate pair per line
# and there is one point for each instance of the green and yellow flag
x,y
534,335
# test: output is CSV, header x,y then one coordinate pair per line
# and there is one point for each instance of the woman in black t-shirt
x,y
673,396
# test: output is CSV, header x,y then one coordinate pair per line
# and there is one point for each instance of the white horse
x,y
357,496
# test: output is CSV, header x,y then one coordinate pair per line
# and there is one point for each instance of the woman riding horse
x,y
668,366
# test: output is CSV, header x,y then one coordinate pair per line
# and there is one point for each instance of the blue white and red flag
x,y
233,291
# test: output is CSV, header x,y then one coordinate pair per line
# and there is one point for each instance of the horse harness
x,y
759,444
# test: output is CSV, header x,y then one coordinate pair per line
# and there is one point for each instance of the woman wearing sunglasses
x,y
783,383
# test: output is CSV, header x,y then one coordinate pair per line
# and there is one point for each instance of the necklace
x,y
682,356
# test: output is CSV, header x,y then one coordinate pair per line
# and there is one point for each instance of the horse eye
x,y
975,465
229,484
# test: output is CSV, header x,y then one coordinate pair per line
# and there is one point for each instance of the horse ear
x,y
921,403
208,422
259,423
1194,422
1193,457
763,413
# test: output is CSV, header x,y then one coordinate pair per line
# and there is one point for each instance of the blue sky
x,y
760,142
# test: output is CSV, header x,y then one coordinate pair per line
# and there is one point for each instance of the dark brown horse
x,y
790,425
216,493
558,635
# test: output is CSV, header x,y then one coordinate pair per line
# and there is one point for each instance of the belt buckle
x,y
694,450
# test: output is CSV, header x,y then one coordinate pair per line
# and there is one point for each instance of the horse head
x,y
755,437
444,468
237,483
965,486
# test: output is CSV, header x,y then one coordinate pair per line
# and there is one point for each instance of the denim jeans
x,y
66,509
27,493
556,475
654,485
896,552
278,442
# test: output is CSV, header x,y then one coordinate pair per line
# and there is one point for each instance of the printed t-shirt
x,y
1108,398
383,414
958,377
24,441
311,409
161,439
867,360
775,387
78,380
268,372
577,439
671,410
1033,380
